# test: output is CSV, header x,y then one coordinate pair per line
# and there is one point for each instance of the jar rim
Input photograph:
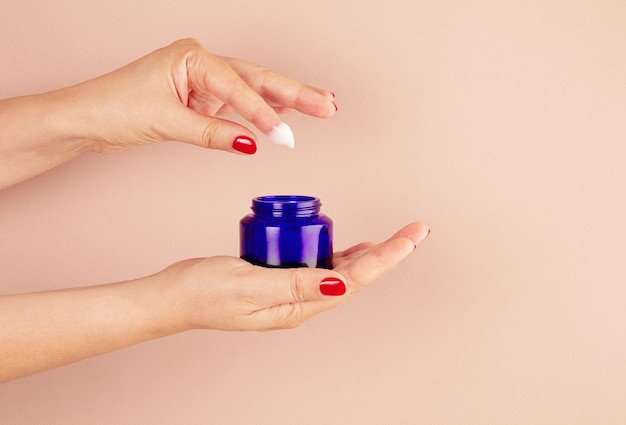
x,y
282,199
282,205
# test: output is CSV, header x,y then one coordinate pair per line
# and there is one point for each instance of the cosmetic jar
x,y
287,231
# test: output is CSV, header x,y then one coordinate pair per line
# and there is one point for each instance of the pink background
x,y
501,126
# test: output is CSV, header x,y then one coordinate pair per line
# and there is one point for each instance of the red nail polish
x,y
332,286
244,144
333,94
335,105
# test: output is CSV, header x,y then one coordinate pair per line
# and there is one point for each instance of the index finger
x,y
284,91
371,263
211,74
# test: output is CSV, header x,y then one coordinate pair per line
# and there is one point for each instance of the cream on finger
x,y
281,134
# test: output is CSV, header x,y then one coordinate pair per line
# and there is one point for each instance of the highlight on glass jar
x,y
287,231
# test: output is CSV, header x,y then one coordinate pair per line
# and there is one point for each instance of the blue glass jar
x,y
287,231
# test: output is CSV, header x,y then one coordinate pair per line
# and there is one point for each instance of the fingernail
x,y
333,94
335,105
332,286
244,144
427,234
281,134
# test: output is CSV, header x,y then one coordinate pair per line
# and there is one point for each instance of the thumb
x,y
304,284
292,296
212,133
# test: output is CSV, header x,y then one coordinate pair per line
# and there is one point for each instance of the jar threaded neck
x,y
286,206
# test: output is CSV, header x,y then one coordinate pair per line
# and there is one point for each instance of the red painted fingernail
x,y
336,109
332,286
427,233
244,144
333,94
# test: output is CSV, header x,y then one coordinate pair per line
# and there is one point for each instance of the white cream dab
x,y
281,134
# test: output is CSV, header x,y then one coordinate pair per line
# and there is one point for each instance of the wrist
x,y
49,121
35,136
165,305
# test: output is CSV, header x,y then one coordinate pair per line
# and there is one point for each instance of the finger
x,y
288,297
374,262
211,74
227,110
369,266
281,90
298,285
339,257
377,261
210,132
416,231
371,263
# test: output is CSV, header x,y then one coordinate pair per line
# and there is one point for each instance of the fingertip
x,y
330,109
245,145
282,134
424,232
333,286
407,246
210,132
327,94
322,104
415,231
421,234
333,102
311,284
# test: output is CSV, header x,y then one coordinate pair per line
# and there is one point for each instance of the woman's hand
x,y
177,92
174,93
230,294
43,330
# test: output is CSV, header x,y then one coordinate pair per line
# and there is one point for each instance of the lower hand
x,y
228,293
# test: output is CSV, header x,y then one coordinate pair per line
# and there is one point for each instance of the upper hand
x,y
177,93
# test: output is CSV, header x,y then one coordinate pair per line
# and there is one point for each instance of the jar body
x,y
287,231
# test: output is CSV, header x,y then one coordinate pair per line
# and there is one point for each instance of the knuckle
x,y
298,286
187,49
188,42
209,138
264,79
238,91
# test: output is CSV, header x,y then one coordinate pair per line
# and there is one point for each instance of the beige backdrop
x,y
500,124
